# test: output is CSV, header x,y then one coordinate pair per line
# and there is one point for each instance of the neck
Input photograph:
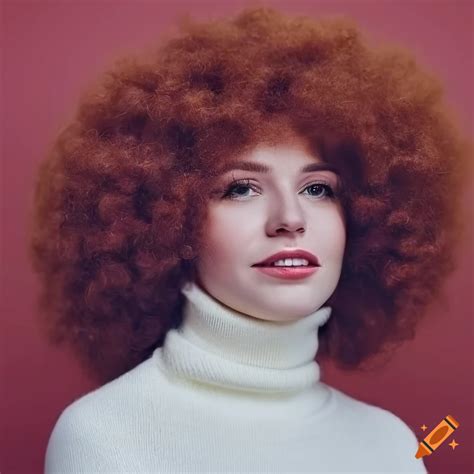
x,y
217,345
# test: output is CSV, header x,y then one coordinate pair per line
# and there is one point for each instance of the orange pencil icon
x,y
437,436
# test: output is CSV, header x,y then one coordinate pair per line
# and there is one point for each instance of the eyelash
x,y
330,194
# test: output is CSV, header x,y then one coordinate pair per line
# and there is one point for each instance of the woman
x,y
160,256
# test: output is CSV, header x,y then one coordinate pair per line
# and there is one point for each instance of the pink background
x,y
51,50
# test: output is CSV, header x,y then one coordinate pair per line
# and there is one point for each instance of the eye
x,y
324,190
236,185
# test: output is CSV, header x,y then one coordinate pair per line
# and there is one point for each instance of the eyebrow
x,y
259,168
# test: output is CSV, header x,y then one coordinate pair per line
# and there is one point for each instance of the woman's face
x,y
281,209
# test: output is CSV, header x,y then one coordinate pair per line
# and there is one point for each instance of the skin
x,y
268,213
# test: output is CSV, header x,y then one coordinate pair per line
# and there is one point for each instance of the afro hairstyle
x,y
119,210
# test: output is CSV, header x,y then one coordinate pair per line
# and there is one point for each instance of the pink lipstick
x,y
288,273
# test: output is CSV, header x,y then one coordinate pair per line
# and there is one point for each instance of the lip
x,y
288,273
293,253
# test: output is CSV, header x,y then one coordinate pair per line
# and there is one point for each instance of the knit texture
x,y
229,393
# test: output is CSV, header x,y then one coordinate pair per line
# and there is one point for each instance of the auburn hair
x,y
119,211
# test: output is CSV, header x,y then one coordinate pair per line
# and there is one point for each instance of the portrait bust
x,y
137,218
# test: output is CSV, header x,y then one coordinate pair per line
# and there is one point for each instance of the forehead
x,y
266,158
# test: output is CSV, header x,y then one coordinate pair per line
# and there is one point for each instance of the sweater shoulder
x,y
380,419
381,430
369,413
127,388
81,437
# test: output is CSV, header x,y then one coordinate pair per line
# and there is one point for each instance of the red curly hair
x,y
120,202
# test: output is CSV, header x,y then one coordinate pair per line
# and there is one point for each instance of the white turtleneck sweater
x,y
229,393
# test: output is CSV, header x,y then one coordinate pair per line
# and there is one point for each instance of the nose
x,y
286,215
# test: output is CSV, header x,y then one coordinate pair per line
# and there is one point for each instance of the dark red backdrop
x,y
51,49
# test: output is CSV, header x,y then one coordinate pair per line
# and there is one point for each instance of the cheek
x,y
332,236
339,238
226,236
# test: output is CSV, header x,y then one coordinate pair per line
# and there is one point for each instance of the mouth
x,y
287,272
290,258
271,265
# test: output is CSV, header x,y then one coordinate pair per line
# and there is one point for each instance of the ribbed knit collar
x,y
220,346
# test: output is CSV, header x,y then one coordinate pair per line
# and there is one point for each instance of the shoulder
x,y
80,437
379,419
379,430
116,394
